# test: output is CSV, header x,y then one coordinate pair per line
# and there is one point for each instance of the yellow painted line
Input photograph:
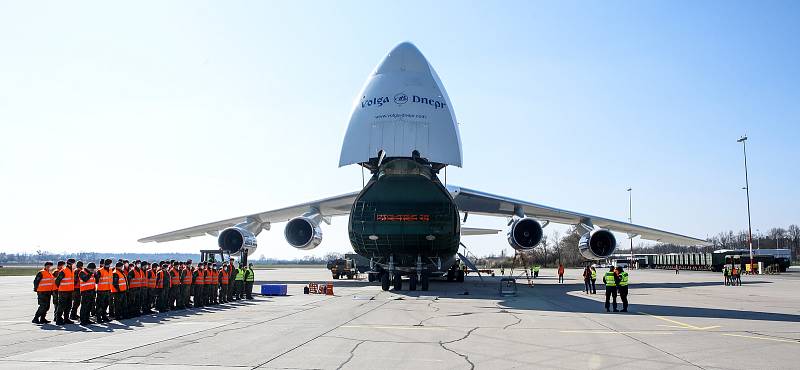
x,y
763,338
616,332
681,324
392,327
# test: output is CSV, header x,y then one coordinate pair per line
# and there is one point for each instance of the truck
x,y
342,267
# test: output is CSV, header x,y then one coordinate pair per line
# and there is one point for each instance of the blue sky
x,y
119,121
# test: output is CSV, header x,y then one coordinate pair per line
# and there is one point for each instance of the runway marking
x,y
763,338
681,324
616,332
392,327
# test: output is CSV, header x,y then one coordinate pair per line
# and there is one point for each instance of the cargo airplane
x,y
403,129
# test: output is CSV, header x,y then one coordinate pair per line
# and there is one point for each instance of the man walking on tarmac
x,y
611,280
43,284
560,273
623,288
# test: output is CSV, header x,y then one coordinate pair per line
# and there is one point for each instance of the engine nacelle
x,y
235,240
597,244
303,233
525,233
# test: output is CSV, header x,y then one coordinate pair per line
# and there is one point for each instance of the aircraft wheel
x,y
425,282
385,281
412,282
398,281
460,276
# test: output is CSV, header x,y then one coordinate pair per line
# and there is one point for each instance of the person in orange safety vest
x,y
43,284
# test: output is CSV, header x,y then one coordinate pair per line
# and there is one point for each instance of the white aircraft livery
x,y
403,129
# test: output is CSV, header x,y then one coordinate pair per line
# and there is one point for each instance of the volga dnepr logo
x,y
400,99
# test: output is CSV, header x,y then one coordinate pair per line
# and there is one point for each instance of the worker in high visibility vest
x,y
103,277
164,285
43,284
594,280
119,285
65,281
239,283
76,292
623,287
134,276
224,281
611,280
150,277
87,282
231,278
186,284
214,284
536,271
198,282
174,284
249,279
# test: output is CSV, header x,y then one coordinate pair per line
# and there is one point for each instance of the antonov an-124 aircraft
x,y
403,130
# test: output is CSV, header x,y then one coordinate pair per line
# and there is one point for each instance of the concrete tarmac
x,y
688,320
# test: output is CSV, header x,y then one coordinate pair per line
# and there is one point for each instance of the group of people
x,y
126,289
589,279
616,281
733,275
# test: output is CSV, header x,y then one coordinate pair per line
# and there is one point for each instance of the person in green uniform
x,y
623,288
249,279
239,283
611,280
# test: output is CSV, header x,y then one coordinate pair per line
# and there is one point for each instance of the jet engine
x,y
236,239
597,244
525,233
303,232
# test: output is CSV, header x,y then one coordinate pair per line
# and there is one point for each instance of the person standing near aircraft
x,y
198,283
65,281
594,280
623,287
119,287
76,293
43,284
536,271
223,283
560,273
103,277
587,280
249,279
87,281
174,285
239,286
610,279
231,278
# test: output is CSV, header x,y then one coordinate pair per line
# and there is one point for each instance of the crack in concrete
x,y
465,357
519,320
352,354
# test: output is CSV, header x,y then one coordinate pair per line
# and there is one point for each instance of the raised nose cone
x,y
403,107
405,57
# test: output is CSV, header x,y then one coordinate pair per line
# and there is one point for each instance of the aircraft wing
x,y
333,206
478,202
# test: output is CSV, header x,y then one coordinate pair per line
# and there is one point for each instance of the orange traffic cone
x,y
329,289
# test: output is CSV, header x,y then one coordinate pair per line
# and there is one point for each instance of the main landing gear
x,y
395,281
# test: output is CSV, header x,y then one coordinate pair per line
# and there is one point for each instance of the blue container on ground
x,y
273,289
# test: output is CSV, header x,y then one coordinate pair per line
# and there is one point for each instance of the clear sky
x,y
122,120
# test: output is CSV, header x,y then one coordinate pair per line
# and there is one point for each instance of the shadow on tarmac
x,y
554,298
153,318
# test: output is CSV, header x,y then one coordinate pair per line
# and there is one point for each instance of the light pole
x,y
630,219
743,140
